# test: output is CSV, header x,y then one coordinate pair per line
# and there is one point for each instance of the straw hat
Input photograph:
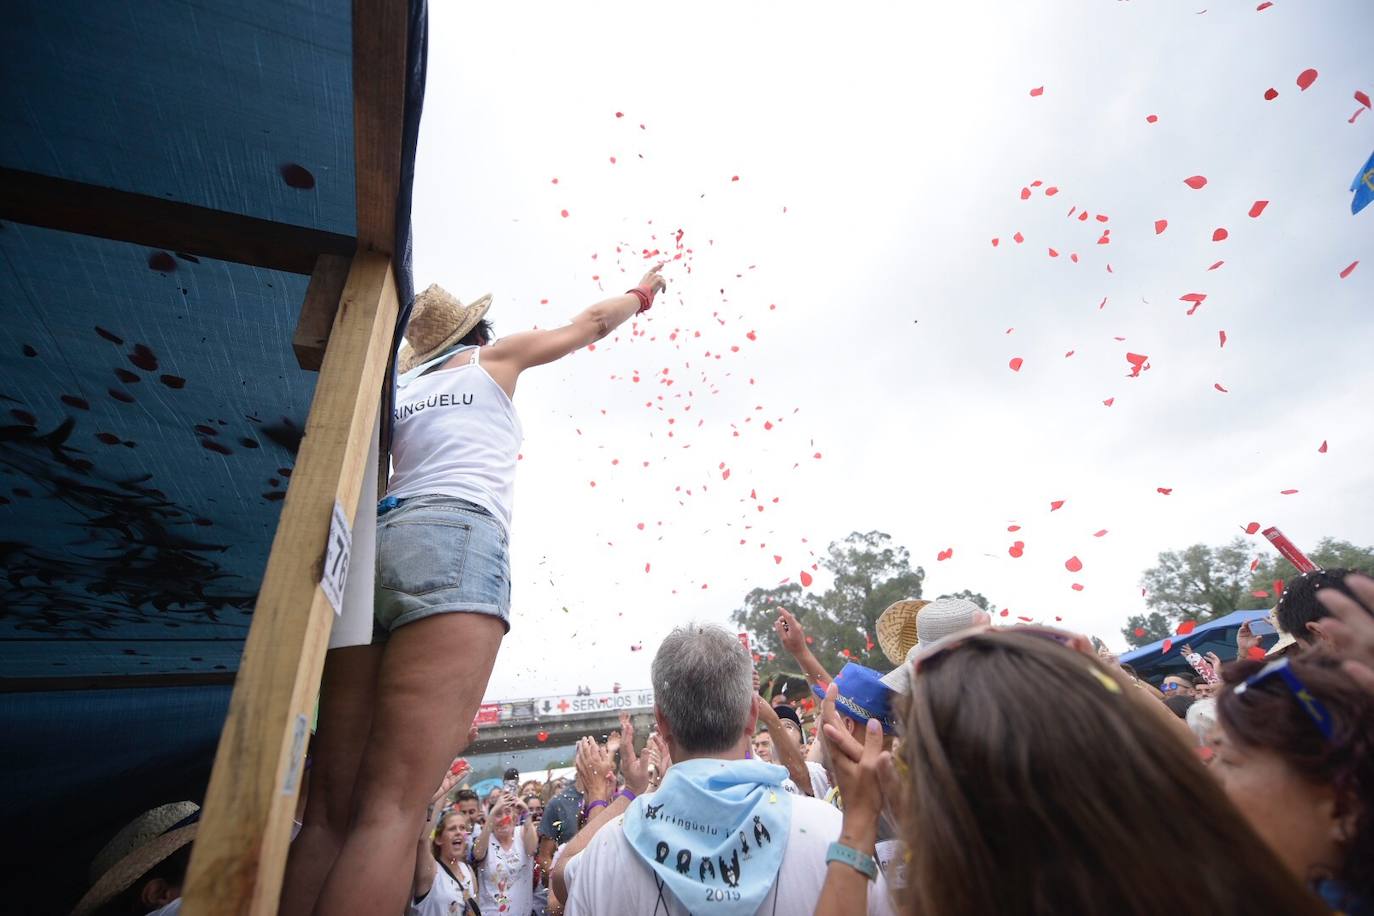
x,y
143,843
437,322
897,628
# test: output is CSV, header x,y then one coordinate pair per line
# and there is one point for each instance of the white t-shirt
x,y
505,880
820,782
446,896
609,879
891,856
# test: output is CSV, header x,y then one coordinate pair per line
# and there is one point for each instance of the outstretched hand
x,y
790,632
635,767
653,281
456,773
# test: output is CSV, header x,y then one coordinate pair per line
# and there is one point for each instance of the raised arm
x,y
424,856
510,356
594,767
793,639
785,751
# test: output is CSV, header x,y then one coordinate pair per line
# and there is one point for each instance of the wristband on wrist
x,y
860,862
599,803
625,794
646,299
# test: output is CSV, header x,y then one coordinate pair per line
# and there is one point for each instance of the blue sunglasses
x,y
1283,670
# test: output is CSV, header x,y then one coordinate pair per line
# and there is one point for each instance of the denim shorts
x,y
439,555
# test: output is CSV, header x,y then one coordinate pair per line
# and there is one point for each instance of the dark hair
x,y
1178,704
130,902
463,795
1267,716
1026,797
1298,605
479,336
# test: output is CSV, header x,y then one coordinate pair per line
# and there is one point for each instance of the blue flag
x,y
1363,186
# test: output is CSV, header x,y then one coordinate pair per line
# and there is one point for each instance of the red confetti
x,y
1050,192
1013,527
1218,387
1195,298
1255,653
1219,235
565,214
1260,593
1222,335
1150,119
542,736
806,579
1139,632
1109,402
1252,527
944,554
1257,208
1073,564
1165,491
1197,182
620,114
1168,644
1349,270
1322,448
1025,193
1053,253
646,567
1015,364
1056,504
1076,587
1005,612
1287,492
1186,627
725,474
777,559
1363,99
1017,548
1264,6
1137,361
994,243
1270,94
1161,225
1306,78
1099,534
1018,238
1216,265
1037,91
734,178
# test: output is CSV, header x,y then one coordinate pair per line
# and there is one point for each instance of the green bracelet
x,y
860,862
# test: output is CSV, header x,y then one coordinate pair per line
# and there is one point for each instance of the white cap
x,y
944,616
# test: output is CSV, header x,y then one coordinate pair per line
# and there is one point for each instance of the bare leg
x,y
346,696
433,674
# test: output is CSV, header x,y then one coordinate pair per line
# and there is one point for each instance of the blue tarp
x,y
1219,636
150,401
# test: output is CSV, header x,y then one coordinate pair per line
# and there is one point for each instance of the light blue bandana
x,y
714,833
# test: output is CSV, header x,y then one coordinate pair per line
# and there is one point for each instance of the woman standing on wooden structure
x,y
442,593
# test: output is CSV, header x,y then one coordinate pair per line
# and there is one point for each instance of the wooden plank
x,y
318,310
240,853
55,203
379,89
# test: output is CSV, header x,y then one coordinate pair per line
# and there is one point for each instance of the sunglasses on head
x,y
1283,670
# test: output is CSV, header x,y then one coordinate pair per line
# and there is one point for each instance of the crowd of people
x,y
992,770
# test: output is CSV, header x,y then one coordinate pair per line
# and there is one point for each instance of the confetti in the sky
x,y
1037,91
1257,208
1186,627
1321,449
1015,364
1197,182
1350,269
1161,225
1218,387
1164,491
1073,564
1252,527
1219,234
1168,644
1056,504
1287,492
1222,335
1306,78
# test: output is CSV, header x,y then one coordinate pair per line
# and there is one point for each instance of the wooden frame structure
x,y
345,331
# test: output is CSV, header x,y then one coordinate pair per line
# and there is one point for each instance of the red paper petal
x,y
1017,548
1287,492
1216,265
1197,182
1306,78
994,243
1015,364
1165,491
1013,527
1168,644
1187,627
1222,335
1139,631
1270,94
1109,402
1257,208
1056,504
1349,270
1005,612
1050,192
1018,238
1102,533
1037,91
806,579
1264,6
944,554
1363,99
1025,193
1150,119
1053,253
565,214
1073,564
1161,225
1322,447
1076,587
1218,387
1252,527
1219,235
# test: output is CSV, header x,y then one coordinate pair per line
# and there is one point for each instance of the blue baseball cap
x,y
862,696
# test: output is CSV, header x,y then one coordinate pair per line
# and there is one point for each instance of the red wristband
x,y
646,299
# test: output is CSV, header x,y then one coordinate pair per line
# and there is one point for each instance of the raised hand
x,y
653,280
456,772
1352,630
634,766
861,770
1246,640
594,766
790,632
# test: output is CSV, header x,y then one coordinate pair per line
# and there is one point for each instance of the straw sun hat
x,y
437,322
897,628
142,844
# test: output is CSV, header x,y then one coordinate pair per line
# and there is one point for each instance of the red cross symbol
x,y
563,706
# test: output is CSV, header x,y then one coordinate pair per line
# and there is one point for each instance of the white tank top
x,y
457,434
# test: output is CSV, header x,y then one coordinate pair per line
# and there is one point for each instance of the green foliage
x,y
870,572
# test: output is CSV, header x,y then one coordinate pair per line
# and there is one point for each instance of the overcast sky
x,y
879,150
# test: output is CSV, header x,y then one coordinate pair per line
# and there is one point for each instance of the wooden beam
x,y
240,853
318,311
379,93
55,203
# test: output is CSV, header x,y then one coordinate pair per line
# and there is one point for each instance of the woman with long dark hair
x,y
1036,780
1295,752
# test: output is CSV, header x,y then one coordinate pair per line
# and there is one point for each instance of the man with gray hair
x,y
719,835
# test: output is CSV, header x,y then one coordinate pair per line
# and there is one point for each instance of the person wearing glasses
x,y
1295,752
1034,779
